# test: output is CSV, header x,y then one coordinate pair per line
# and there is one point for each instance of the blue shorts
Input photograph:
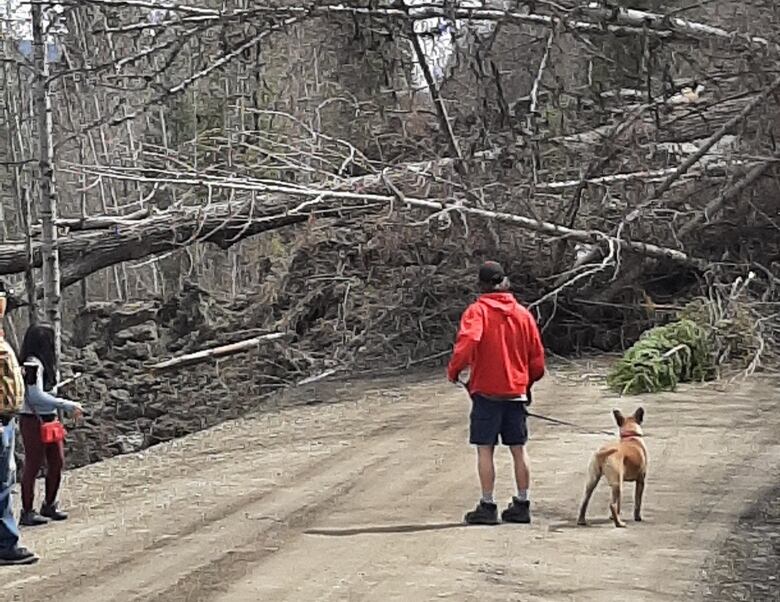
x,y
493,417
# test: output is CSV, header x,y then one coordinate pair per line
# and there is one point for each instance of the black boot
x,y
32,519
517,512
17,555
484,514
50,511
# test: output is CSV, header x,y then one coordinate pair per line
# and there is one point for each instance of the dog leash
x,y
564,423
553,420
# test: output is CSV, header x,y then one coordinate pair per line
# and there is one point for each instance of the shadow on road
x,y
418,528
572,524
384,529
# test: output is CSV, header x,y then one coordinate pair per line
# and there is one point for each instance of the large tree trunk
x,y
225,224
106,242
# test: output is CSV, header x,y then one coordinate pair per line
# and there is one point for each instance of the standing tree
x,y
46,185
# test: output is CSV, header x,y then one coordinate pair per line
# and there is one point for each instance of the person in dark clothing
x,y
500,343
40,407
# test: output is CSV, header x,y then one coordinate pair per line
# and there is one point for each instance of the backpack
x,y
11,382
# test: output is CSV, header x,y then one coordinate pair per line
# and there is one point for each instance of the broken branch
x,y
215,352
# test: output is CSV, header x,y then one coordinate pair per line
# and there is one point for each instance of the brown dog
x,y
624,460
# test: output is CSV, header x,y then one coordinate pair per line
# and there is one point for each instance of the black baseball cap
x,y
491,273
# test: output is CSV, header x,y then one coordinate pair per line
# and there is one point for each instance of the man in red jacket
x,y
500,343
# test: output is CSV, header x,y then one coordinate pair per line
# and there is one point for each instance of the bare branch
x,y
215,352
727,195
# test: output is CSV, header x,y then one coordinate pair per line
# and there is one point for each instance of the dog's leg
x,y
614,507
594,476
638,491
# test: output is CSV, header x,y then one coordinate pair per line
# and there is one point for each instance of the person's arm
x,y
535,352
45,403
469,336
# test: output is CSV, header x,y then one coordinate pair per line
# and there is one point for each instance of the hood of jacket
x,y
503,302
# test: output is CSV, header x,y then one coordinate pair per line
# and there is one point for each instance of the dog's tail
x,y
601,454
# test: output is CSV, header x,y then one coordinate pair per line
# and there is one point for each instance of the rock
x,y
130,408
101,389
166,428
127,444
119,395
128,315
90,359
88,323
134,350
142,333
127,426
128,411
153,410
143,425
101,348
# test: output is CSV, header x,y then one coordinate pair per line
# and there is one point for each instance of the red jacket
x,y
500,342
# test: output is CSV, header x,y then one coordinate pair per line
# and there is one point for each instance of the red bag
x,y
52,432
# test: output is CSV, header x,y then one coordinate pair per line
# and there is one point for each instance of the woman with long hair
x,y
41,432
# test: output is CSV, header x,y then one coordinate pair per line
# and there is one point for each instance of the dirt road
x,y
362,500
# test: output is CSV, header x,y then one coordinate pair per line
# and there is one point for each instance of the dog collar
x,y
629,435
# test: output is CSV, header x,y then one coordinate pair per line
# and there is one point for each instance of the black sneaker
x,y
50,511
17,555
32,519
517,512
484,514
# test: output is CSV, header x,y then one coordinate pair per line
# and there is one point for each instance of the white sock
x,y
488,498
522,495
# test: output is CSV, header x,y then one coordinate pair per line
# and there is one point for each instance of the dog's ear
x,y
639,415
619,418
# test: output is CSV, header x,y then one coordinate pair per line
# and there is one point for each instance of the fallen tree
x,y
726,128
162,232
681,123
82,254
695,122
594,19
225,224
93,243
640,19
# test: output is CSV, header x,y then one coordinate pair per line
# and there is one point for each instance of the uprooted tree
x,y
333,170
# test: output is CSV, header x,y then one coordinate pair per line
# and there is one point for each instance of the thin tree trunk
x,y
29,276
46,188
